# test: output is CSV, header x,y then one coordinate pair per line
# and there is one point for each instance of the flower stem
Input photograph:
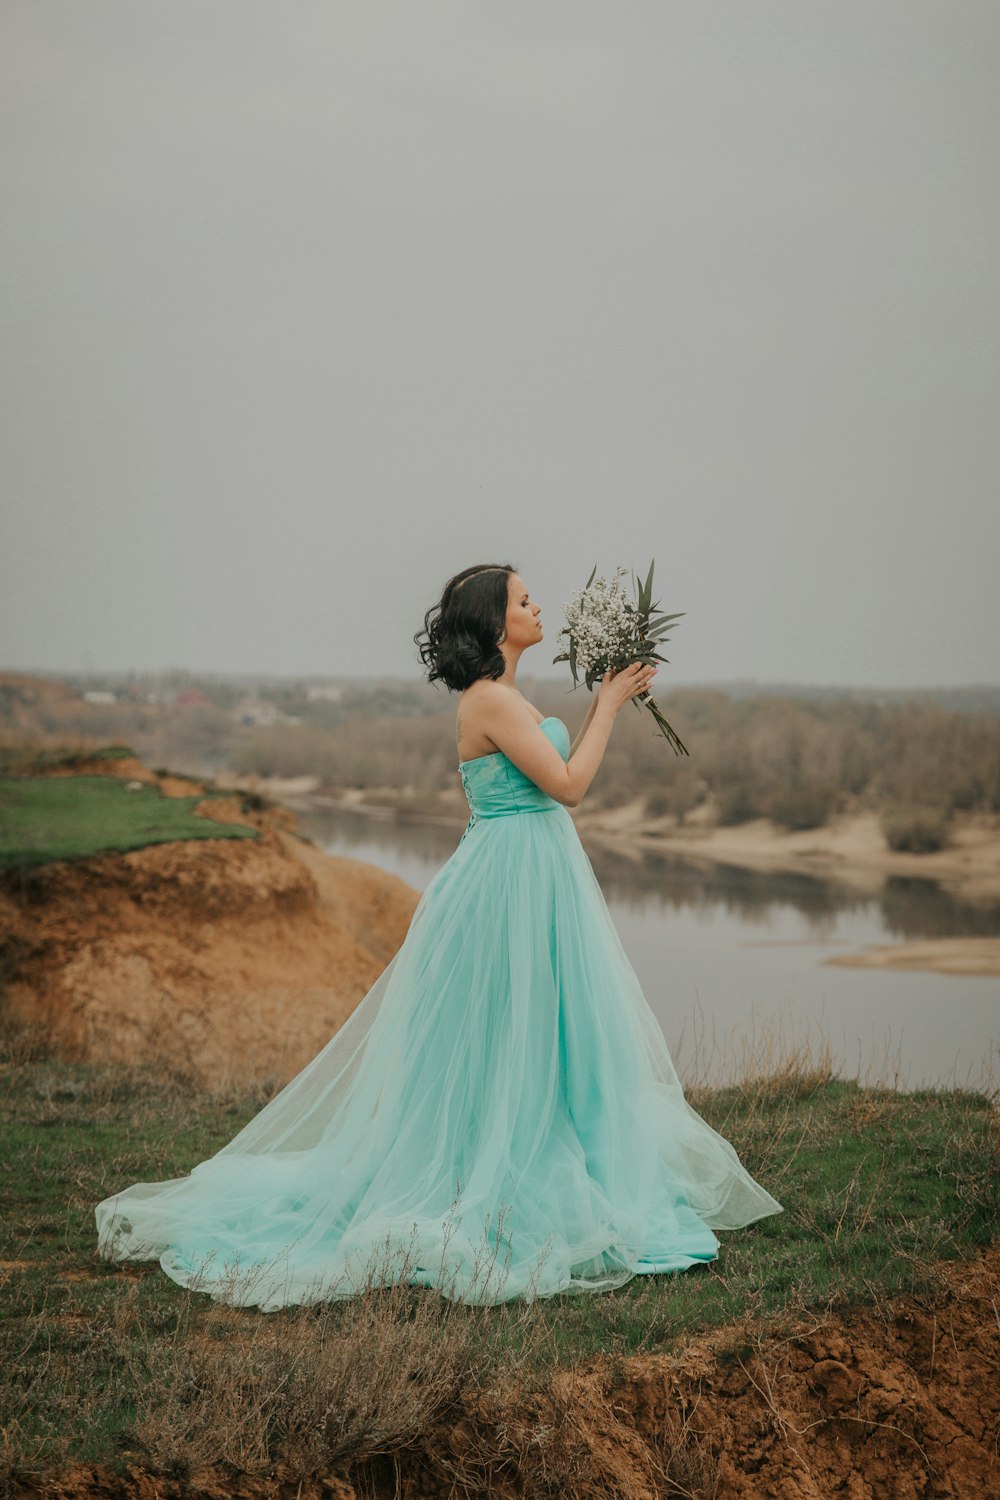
x,y
669,734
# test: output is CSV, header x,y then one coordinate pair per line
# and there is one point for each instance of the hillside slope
x,y
224,960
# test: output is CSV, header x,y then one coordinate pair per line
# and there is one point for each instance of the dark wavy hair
x,y
464,628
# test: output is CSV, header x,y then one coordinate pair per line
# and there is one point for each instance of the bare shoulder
x,y
502,721
483,705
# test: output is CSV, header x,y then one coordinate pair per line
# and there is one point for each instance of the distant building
x,y
325,692
192,696
260,713
99,695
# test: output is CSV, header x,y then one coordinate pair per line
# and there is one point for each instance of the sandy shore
x,y
850,849
954,955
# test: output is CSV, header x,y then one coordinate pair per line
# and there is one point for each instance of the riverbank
x,y
947,955
851,850
217,958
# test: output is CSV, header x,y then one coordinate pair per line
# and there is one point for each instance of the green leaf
x,y
648,586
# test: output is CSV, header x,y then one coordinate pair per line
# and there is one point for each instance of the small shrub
x,y
736,801
23,1042
71,758
917,829
803,804
675,792
659,802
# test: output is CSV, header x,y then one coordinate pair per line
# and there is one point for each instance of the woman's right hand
x,y
618,687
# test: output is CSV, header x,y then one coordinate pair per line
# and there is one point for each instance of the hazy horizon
x,y
554,679
307,308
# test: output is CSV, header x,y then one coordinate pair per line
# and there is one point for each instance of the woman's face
x,y
524,623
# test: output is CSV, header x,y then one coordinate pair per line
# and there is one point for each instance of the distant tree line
x,y
797,758
794,761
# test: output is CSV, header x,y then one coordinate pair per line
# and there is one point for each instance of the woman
x,y
500,1116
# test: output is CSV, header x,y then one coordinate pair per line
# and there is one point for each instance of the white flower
x,y
605,629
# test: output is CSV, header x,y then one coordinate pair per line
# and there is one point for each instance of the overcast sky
x,y
308,304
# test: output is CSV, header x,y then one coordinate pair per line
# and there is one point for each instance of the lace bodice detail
x,y
495,787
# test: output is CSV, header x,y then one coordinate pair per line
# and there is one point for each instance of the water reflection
x,y
652,882
915,908
658,880
734,957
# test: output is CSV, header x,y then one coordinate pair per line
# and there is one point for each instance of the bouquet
x,y
606,630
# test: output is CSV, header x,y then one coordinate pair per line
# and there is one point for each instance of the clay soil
x,y
898,1400
226,961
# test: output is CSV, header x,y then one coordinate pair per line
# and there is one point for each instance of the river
x,y
731,960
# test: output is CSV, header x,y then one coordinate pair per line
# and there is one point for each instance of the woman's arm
x,y
584,726
510,726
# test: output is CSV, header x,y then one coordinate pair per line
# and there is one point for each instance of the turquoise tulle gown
x,y
499,1117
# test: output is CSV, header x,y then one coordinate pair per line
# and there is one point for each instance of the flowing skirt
x,y
498,1118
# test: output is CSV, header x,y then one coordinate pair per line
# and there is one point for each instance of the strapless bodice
x,y
496,788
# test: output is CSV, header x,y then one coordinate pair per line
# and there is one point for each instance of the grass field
x,y
43,818
117,1365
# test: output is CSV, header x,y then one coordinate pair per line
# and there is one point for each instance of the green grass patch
x,y
117,1364
84,757
23,757
44,818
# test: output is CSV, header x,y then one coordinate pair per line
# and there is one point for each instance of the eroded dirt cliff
x,y
228,960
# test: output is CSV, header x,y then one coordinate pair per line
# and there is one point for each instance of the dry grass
x,y
321,1386
682,1457
118,1364
21,752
